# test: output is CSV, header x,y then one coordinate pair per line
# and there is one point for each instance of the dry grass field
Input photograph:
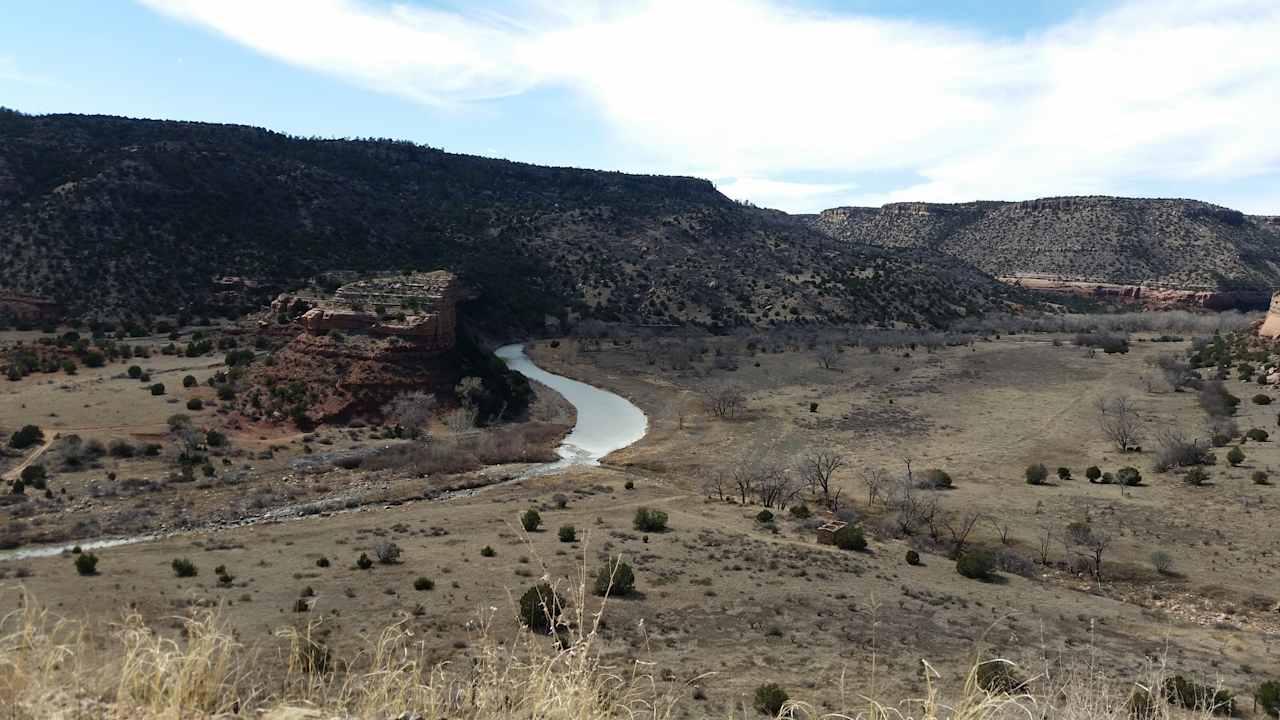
x,y
725,602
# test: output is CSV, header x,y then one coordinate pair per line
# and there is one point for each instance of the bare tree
x,y
1001,528
715,484
816,468
724,400
877,481
907,504
1090,543
829,357
959,527
776,488
412,411
1045,543
1118,419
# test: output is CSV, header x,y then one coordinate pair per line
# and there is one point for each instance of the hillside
x,y
1180,243
114,217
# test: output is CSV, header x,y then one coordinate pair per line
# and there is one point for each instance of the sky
x,y
794,105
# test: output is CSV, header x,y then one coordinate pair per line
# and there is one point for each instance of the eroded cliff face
x,y
1270,327
1207,251
1148,296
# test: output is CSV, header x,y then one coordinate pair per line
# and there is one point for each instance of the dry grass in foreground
x,y
52,667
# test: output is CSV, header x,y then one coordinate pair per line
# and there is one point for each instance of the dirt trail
x,y
16,471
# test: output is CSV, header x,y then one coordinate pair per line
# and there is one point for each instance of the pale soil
x,y
721,594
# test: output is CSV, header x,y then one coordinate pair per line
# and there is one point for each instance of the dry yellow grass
x,y
52,667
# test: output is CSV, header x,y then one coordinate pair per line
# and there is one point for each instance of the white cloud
x,y
796,196
1175,91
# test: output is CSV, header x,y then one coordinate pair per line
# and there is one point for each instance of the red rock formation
x,y
1271,325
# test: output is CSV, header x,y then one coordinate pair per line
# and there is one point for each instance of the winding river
x,y
605,422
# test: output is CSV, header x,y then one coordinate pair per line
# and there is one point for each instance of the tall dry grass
x,y
51,667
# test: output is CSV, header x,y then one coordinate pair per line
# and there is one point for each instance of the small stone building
x,y
828,529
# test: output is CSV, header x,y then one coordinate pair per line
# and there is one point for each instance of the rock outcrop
x,y
1270,327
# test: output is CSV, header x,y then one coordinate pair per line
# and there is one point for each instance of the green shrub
x,y
189,381
649,520
1235,456
322,561
616,579
1260,477
764,517
1268,697
568,533
800,512
937,479
35,476
1257,435
423,583
770,698
850,537
135,372
1194,696
1036,474
183,568
487,551
195,404
913,557
976,564
121,449
1129,476
629,485
530,520
1261,399
214,439
87,564
998,677
1064,474
364,562
26,437
1093,473
157,389
1196,476
540,608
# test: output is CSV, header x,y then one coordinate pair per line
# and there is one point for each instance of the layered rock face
x,y
1271,325
1166,245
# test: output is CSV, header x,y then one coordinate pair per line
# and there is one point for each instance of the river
x,y
605,422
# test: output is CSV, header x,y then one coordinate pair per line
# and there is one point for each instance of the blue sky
x,y
792,105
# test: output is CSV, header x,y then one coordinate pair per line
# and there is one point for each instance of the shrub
x,y
135,372
1176,451
764,517
560,500
87,564
615,579
800,512
157,389
1268,697
1196,476
1257,435
195,404
1260,477
629,485
1235,456
770,698
26,437
35,476
322,561
530,520
1162,562
568,533
1093,473
121,449
1064,474
189,381
1261,399
540,608
913,557
850,537
649,520
976,564
1194,696
183,568
1037,474
937,479
487,551
423,583
1129,476
388,553
363,562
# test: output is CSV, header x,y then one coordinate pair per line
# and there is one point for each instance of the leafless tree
x,y
1002,529
411,411
1118,419
715,484
908,504
724,400
1090,543
829,357
959,527
1045,543
776,488
877,482
816,469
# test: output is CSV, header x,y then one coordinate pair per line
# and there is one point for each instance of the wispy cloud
x,y
752,91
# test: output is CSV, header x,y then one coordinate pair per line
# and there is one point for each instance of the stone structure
x,y
1271,325
827,531
420,307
